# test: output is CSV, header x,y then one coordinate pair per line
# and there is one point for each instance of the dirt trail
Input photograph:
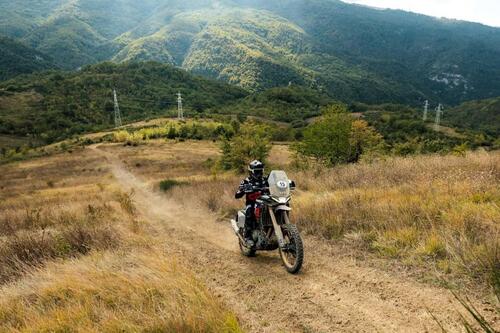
x,y
333,293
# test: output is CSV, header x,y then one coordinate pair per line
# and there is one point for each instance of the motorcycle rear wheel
x,y
294,257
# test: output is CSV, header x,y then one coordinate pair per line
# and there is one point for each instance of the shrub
x,y
22,251
196,130
251,143
168,184
135,139
364,141
121,136
172,133
337,139
327,139
126,202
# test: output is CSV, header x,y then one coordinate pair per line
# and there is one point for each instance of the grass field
x,y
437,214
74,252
74,256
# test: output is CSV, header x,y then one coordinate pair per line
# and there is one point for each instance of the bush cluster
x,y
252,142
336,138
195,130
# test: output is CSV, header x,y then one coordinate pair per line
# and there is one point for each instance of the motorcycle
x,y
272,228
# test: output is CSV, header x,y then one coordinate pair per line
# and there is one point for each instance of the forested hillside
x,y
350,52
416,55
55,105
482,116
17,58
405,132
293,104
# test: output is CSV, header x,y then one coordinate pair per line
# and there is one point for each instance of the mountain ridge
x,y
350,52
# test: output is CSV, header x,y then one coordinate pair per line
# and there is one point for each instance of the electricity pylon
x,y
118,116
180,112
439,113
426,110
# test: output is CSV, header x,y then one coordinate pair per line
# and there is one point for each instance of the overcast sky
x,y
483,11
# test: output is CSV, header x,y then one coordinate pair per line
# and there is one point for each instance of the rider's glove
x,y
248,188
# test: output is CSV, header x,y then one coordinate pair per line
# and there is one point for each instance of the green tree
x,y
250,143
336,138
328,139
364,140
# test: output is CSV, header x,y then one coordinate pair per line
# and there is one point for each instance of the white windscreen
x,y
279,184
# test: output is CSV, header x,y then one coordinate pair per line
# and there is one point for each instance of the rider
x,y
252,186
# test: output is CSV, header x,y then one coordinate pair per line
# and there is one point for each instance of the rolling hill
x,y
350,52
482,116
54,105
293,104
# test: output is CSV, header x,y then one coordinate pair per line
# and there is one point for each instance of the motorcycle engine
x,y
260,239
262,242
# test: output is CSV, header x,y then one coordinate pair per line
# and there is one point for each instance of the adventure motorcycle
x,y
272,229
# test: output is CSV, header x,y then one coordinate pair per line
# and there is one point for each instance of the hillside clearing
x,y
343,287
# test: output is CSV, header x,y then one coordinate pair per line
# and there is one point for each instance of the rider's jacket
x,y
253,195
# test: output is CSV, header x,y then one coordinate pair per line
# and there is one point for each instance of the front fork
x,y
277,227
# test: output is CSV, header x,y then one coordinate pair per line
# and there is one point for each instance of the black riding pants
x,y
250,216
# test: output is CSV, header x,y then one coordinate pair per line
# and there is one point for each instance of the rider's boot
x,y
248,237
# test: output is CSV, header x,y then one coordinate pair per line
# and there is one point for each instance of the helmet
x,y
256,169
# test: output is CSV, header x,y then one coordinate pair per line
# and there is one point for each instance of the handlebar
x,y
250,189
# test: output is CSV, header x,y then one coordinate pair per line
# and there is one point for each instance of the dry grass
x,y
75,256
439,213
160,160
40,237
183,161
442,210
51,208
114,293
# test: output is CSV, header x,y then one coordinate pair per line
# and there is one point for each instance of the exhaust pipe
x,y
236,229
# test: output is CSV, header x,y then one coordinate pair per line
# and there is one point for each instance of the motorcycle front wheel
x,y
292,255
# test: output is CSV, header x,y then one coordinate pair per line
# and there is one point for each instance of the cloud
x,y
483,11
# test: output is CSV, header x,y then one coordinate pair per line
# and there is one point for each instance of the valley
x,y
44,108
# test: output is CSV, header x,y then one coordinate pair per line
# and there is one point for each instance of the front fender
x,y
283,207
